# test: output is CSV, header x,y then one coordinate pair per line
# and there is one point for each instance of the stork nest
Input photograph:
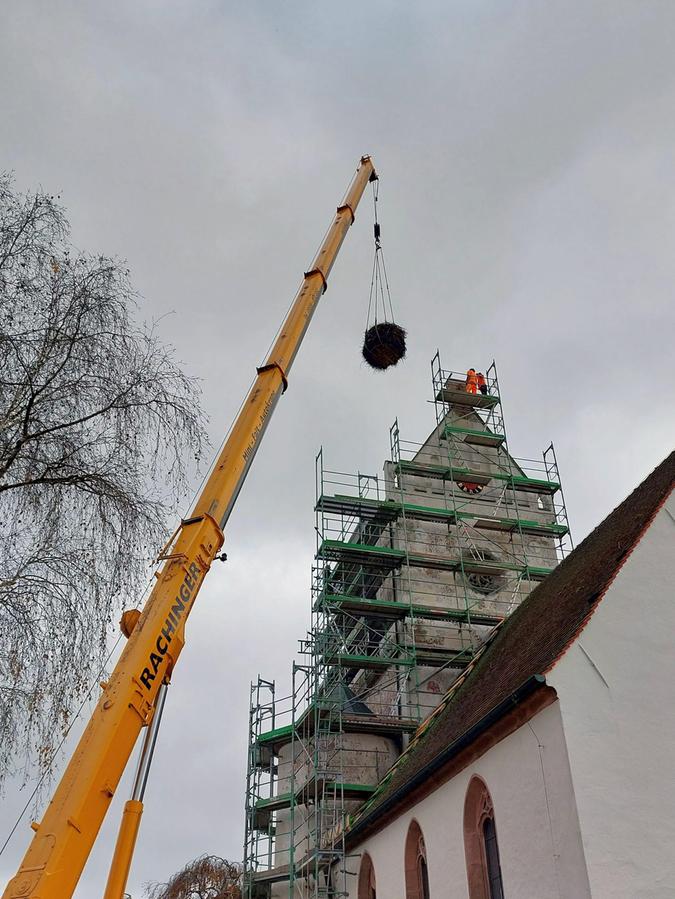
x,y
384,345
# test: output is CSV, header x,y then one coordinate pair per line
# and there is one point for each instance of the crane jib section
x,y
63,839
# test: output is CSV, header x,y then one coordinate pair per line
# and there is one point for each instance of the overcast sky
x,y
527,202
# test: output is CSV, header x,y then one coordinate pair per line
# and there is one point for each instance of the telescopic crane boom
x,y
64,837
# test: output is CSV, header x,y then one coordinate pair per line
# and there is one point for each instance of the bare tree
x,y
207,877
96,420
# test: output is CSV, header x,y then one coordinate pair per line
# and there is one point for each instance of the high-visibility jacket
x,y
480,379
471,381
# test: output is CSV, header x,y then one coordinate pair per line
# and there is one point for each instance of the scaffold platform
x,y
455,392
357,605
475,436
413,568
385,511
390,557
454,473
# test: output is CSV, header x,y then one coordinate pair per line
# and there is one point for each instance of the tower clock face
x,y
470,488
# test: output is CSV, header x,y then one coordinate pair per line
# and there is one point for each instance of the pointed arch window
x,y
366,888
416,869
481,848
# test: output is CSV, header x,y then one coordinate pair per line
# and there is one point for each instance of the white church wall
x,y
615,686
537,829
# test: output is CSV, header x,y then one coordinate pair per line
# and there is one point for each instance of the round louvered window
x,y
481,581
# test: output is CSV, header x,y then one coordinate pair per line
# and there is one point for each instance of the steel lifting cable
x,y
380,295
384,341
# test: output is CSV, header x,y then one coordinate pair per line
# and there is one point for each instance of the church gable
x,y
513,664
614,685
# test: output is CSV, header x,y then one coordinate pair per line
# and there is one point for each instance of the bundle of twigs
x,y
384,345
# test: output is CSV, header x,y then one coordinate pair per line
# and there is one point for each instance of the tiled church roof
x,y
525,645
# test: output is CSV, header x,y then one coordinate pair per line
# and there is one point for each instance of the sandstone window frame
x,y
481,844
366,884
416,864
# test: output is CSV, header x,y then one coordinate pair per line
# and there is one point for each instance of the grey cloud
x,y
525,151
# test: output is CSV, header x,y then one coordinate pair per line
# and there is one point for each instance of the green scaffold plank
x,y
274,803
475,436
533,485
278,735
430,658
348,660
340,550
263,809
365,507
525,526
318,788
357,605
361,606
537,573
355,791
455,397
384,509
424,470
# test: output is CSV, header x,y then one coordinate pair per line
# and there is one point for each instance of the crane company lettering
x,y
259,429
178,610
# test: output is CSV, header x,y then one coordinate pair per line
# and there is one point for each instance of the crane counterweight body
x,y
64,837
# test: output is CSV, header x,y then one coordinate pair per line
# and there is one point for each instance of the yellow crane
x,y
134,696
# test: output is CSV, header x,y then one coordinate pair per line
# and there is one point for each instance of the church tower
x,y
413,570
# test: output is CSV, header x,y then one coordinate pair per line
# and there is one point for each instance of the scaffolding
x,y
261,783
412,571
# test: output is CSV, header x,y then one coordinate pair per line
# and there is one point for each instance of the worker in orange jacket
x,y
471,381
480,381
